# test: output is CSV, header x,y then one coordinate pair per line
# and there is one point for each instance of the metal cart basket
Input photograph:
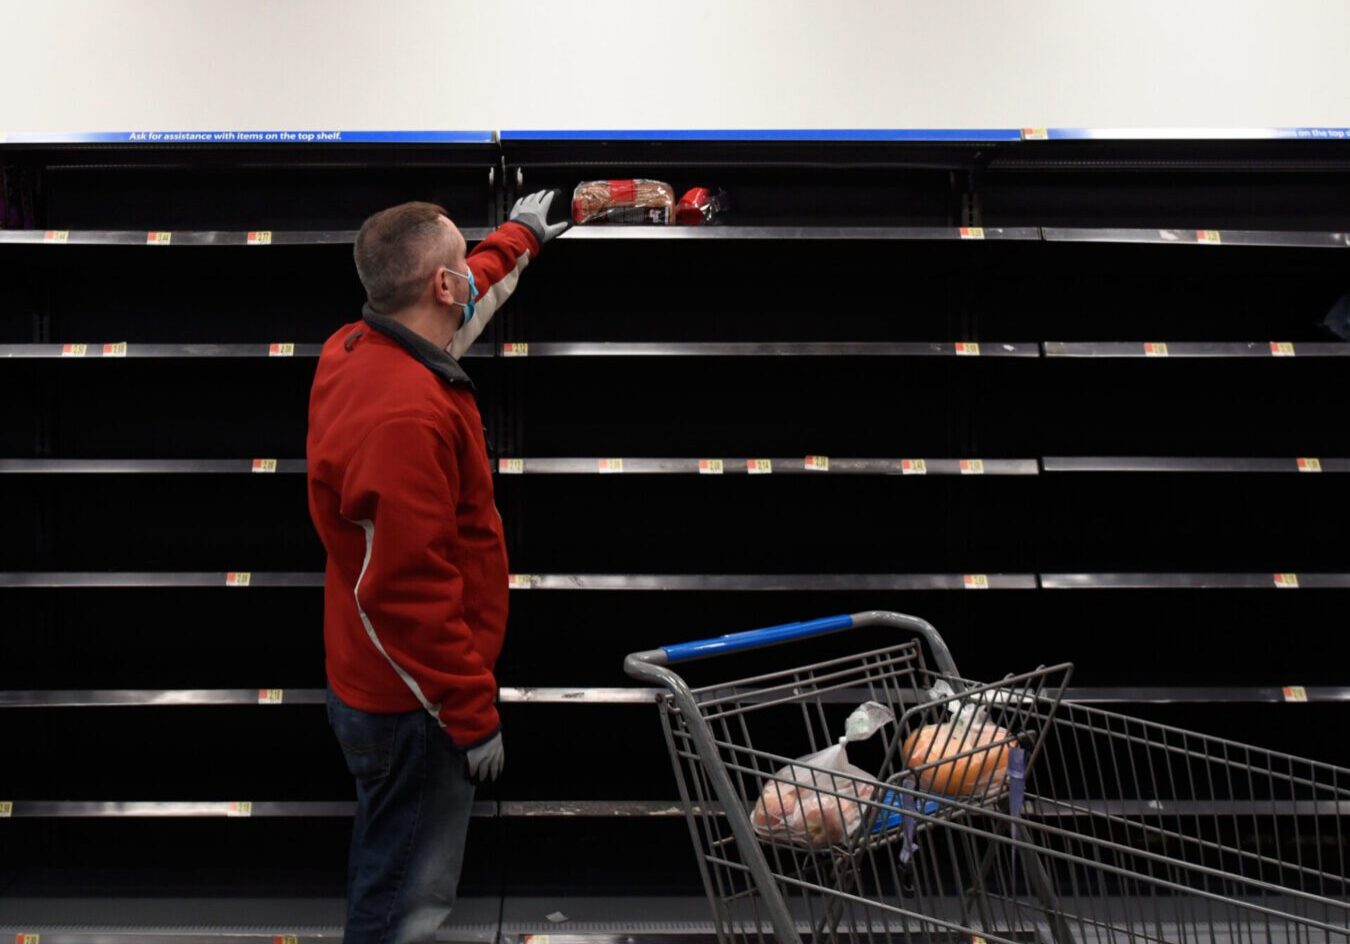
x,y
997,812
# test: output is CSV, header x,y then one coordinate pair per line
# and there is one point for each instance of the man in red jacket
x,y
415,591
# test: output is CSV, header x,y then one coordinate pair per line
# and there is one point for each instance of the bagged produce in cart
x,y
815,800
623,201
970,732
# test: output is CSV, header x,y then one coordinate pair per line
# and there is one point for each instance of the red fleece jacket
x,y
400,491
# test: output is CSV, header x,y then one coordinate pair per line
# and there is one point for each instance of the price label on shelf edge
x,y
118,349
56,236
285,939
609,466
913,467
1286,581
967,349
975,581
271,696
264,465
74,350
972,467
1282,349
520,581
1210,236
516,349
260,237
1295,693
511,466
239,808
281,349
1155,349
759,466
1309,464
972,232
238,578
710,467
817,463
28,939
158,238
6,809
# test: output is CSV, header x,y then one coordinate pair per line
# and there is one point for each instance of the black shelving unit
x,y
845,398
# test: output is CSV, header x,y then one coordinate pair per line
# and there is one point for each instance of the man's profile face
x,y
456,286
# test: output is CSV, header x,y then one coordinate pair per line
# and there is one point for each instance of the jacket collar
x,y
429,355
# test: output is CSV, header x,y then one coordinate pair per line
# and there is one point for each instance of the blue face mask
x,y
473,294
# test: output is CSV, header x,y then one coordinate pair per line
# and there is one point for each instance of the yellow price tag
x,y
1309,465
913,467
238,578
56,236
1281,349
515,349
74,350
817,463
285,939
1295,693
1286,581
972,232
967,349
158,238
1028,134
281,349
264,465
611,465
239,808
1155,349
520,581
1210,236
115,350
972,467
759,466
6,809
260,237
27,939
511,466
975,581
270,696
710,467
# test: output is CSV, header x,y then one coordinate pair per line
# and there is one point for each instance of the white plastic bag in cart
x,y
814,801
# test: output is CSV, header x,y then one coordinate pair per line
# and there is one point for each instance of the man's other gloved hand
x,y
486,760
532,211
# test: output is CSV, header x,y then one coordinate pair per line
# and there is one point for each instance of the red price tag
x,y
264,465
1296,693
283,349
1210,236
1155,349
608,466
270,696
1035,134
238,578
975,581
1286,581
972,232
913,467
710,467
115,350
511,466
158,238
260,237
759,466
817,463
1282,349
56,236
1309,465
967,349
239,808
515,349
972,467
74,350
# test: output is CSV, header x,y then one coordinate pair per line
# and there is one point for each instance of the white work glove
x,y
532,211
486,760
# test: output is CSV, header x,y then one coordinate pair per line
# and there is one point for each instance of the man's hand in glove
x,y
532,211
486,760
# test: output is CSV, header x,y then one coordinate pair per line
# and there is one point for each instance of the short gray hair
x,y
392,252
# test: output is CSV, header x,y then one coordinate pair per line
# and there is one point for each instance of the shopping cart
x,y
1098,827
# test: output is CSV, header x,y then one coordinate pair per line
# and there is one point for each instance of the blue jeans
x,y
413,802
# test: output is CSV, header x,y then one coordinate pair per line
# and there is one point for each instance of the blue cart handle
x,y
791,632
755,638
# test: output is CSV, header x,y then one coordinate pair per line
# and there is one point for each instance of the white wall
x,y
114,65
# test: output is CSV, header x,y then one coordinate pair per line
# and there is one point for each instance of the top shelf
x,y
209,238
